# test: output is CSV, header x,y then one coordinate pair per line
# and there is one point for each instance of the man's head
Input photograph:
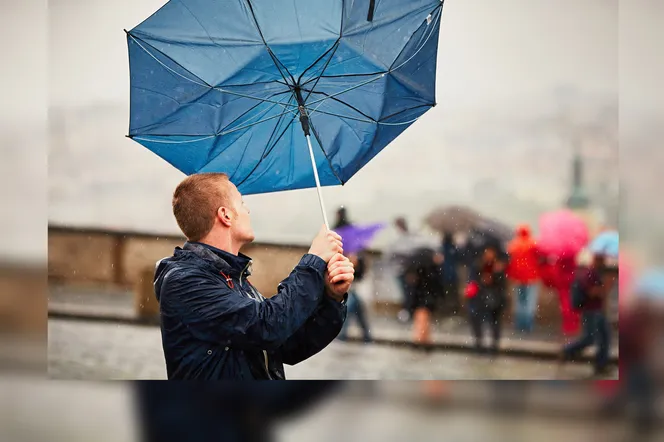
x,y
209,208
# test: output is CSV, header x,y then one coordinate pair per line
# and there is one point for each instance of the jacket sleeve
x,y
317,333
215,313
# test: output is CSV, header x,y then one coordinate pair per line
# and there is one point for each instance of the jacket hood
x,y
523,231
202,255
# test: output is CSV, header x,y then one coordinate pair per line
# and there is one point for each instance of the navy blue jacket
x,y
215,325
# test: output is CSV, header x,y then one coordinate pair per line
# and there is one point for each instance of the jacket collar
x,y
236,266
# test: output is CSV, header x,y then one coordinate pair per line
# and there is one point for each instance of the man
x,y
214,323
595,284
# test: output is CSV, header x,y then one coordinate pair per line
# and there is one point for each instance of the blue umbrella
x,y
607,243
263,90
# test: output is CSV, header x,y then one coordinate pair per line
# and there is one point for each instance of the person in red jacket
x,y
523,270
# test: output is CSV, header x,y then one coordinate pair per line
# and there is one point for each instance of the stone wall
x,y
96,257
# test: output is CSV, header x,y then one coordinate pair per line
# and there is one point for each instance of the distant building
x,y
579,202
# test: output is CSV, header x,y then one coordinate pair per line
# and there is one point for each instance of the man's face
x,y
241,227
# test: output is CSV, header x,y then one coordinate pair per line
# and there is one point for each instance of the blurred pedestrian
x,y
450,272
589,294
215,325
402,254
424,278
342,218
486,293
355,305
564,270
523,272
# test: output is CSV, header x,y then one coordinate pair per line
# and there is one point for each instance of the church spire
x,y
578,200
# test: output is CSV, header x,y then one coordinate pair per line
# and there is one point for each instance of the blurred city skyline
x,y
518,86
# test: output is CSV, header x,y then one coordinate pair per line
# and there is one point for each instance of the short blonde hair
x,y
196,201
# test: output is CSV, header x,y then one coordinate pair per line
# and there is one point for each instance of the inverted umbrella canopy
x,y
562,233
230,86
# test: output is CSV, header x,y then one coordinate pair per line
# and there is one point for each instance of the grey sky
x,y
503,71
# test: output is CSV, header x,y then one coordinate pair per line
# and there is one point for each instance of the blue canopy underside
x,y
212,85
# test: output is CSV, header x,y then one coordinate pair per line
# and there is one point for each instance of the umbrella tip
x,y
126,32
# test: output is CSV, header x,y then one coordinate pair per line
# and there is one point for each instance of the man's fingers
x,y
339,263
335,258
334,235
346,277
343,270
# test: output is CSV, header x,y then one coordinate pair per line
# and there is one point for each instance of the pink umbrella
x,y
562,233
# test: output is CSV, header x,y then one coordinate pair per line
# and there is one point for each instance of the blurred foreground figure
x,y
222,411
486,296
641,320
214,323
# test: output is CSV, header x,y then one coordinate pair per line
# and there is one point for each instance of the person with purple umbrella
x,y
353,250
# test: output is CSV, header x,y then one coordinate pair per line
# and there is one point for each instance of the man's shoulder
x,y
187,273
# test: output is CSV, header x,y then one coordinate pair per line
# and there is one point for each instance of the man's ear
x,y
224,216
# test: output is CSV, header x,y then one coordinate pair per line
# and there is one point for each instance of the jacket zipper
x,y
265,358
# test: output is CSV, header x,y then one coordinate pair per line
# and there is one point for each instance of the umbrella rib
x,y
431,26
342,102
225,127
275,60
334,46
379,123
327,63
268,148
405,110
203,83
221,134
255,106
392,69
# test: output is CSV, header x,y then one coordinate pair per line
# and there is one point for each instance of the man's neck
x,y
223,242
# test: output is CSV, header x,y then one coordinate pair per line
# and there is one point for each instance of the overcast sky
x,y
502,65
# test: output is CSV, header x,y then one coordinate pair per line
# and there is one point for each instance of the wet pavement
x,y
451,333
106,350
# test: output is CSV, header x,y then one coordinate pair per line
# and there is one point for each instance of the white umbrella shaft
x,y
318,188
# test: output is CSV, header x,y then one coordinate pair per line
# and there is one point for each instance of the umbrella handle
x,y
318,188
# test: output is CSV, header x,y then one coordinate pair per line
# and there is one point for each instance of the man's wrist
x,y
330,294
